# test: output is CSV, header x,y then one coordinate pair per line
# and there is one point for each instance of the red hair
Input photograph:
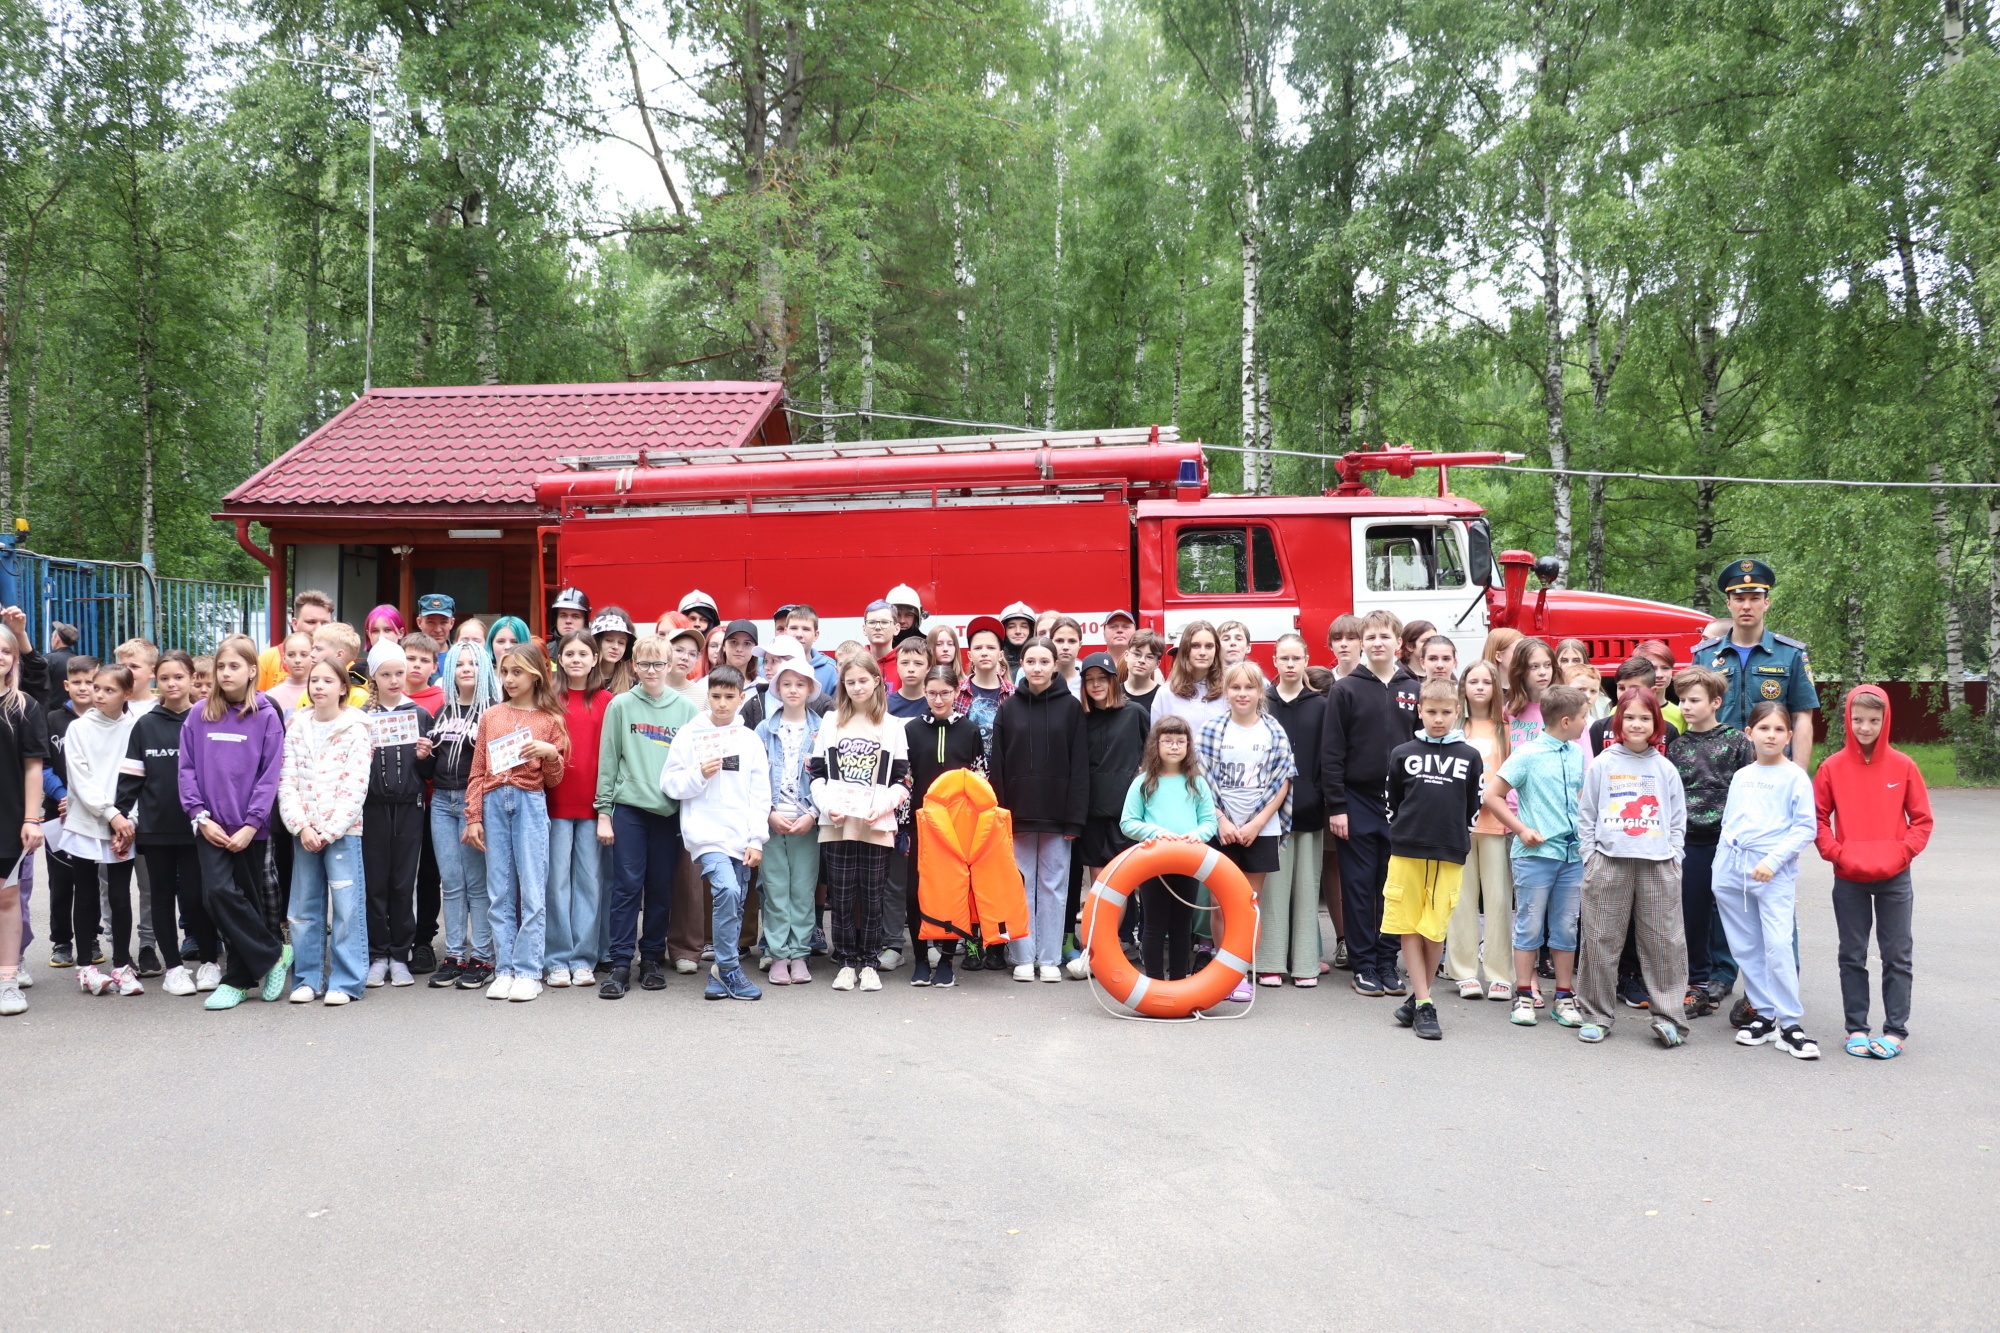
x,y
1647,700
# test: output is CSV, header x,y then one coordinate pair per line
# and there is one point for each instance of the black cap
x,y
741,627
1102,661
1751,575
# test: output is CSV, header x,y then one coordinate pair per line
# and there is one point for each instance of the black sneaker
x,y
1393,984
1696,1004
1796,1042
1760,1030
615,983
423,959
1632,992
63,955
974,960
818,941
149,962
97,953
920,971
1743,1014
1545,966
942,977
651,975
1718,991
1367,985
446,973
475,976
1406,1012
1426,1025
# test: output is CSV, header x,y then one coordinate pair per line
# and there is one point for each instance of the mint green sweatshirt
x,y
1171,811
632,749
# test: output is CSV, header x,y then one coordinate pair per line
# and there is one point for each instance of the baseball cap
x,y
988,623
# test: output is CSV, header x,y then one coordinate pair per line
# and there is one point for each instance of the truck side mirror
x,y
1479,554
1548,569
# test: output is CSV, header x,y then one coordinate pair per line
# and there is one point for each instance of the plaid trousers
x,y
857,881
1618,890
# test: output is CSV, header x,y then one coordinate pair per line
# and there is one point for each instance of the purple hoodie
x,y
230,768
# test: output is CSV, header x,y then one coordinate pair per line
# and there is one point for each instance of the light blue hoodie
x,y
1769,815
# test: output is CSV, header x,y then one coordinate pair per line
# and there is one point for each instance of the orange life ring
x,y
1151,997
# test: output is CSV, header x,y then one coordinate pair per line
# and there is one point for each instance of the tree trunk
x,y
312,308
6,385
26,494
867,343
485,323
1255,481
1180,347
1138,367
823,331
1055,283
1954,626
1552,378
1709,357
263,369
1264,420
1857,621
756,111
960,281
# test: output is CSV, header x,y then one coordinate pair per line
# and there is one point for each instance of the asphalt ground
x,y
1006,1156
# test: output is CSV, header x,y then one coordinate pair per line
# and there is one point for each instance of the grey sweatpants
x,y
1618,890
1885,904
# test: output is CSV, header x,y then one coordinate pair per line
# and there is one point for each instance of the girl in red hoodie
x,y
576,880
1874,817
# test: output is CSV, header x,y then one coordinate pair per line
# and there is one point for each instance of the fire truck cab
x,y
1088,522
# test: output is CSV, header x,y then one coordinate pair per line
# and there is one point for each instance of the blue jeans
x,y
645,849
462,881
574,893
517,878
1043,859
329,898
1548,902
728,885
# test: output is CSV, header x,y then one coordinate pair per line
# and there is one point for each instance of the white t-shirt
x,y
1244,753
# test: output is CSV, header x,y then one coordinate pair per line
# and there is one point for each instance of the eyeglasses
x,y
650,666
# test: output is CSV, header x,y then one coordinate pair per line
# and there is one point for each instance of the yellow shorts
x,y
1419,897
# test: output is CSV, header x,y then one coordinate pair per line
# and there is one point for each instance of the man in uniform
x,y
1758,664
437,613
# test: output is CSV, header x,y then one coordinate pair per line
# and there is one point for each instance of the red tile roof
x,y
476,450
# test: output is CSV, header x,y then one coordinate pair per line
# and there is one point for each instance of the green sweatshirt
x,y
638,731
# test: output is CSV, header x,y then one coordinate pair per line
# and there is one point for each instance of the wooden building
x,y
409,491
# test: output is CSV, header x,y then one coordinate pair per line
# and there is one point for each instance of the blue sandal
x,y
1885,1047
1860,1045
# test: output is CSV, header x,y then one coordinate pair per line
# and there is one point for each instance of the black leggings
x,y
83,904
392,845
913,916
1167,935
232,890
175,872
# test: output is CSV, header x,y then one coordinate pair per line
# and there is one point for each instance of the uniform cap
x,y
697,600
1018,611
1749,575
436,604
904,595
570,599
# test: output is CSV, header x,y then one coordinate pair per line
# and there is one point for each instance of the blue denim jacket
x,y
774,752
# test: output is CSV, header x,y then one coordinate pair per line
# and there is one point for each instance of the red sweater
x,y
575,797
1874,810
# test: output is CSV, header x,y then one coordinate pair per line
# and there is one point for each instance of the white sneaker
x,y
502,987
303,994
764,963
1079,966
399,973
559,978
870,979
1050,972
1025,972
684,966
126,981
525,988
177,981
890,959
11,1000
844,979
378,973
207,977
92,979
21,977
583,976
337,997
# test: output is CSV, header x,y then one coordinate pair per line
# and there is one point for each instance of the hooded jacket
x,y
1040,765
729,812
395,775
1434,789
1366,719
1632,805
229,767
94,751
325,781
1874,810
1116,739
937,747
1304,721
149,783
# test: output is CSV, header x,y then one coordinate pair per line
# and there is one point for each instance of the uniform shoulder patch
x,y
1789,641
1707,644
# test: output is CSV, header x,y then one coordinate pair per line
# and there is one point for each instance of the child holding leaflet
x,y
717,769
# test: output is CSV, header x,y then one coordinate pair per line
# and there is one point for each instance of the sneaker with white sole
x,y
870,979
890,959
1025,972
844,979
525,988
337,997
1568,1012
303,994
11,1000
583,976
1757,1031
207,977
1524,1009
126,981
378,973
1078,967
177,981
92,979
1048,972
502,987
558,978
21,977
684,966
399,973
1795,1042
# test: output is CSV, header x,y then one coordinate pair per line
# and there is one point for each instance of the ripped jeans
x,y
329,906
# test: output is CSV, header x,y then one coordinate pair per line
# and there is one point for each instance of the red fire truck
x,y
1086,522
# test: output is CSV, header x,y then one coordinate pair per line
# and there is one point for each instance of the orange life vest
x,y
966,874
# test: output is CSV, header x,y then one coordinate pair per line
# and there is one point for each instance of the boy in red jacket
x,y
1874,817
